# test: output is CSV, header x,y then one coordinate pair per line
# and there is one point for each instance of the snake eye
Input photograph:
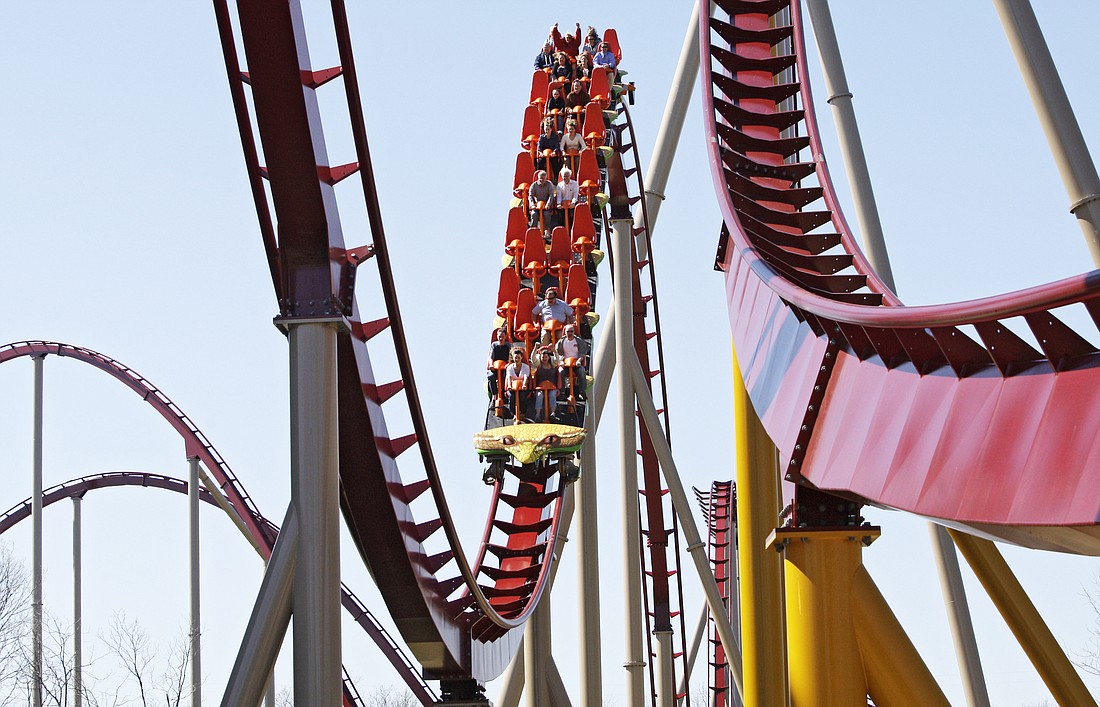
x,y
551,440
507,440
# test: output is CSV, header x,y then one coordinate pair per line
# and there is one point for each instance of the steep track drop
x,y
461,630
865,398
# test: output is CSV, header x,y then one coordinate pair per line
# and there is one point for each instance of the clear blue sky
x,y
128,227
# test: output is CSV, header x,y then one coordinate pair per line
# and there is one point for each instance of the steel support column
x,y
78,575
588,556
315,493
896,675
193,537
536,655
268,623
628,460
36,551
851,147
1023,619
760,569
1071,153
824,661
666,685
958,614
672,125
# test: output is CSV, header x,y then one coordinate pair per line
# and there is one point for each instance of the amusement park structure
x,y
979,416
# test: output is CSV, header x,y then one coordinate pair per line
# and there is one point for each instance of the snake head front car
x,y
529,443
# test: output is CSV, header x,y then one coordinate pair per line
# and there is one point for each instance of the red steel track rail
x,y
719,510
452,623
939,410
262,532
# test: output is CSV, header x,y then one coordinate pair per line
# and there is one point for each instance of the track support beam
x,y
628,459
1024,620
315,493
1071,153
896,675
763,648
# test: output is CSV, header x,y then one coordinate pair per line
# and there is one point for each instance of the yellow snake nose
x,y
525,452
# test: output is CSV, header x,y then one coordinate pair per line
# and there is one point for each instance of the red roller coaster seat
x,y
610,36
588,170
534,258
507,296
600,90
583,235
579,296
593,120
539,82
561,256
532,126
524,326
521,181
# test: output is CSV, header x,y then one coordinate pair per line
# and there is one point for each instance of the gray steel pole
x,y
693,652
666,692
511,689
588,571
672,125
315,493
859,177
683,508
268,623
36,552
958,614
1071,153
196,623
78,652
628,460
535,657
228,509
555,686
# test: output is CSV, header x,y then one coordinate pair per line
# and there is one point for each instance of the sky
x,y
128,227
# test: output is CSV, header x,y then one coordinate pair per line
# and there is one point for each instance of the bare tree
x,y
130,643
390,696
15,592
1088,659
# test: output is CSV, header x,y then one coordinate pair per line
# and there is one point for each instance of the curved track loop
x,y
261,532
940,410
195,441
663,587
719,511
470,636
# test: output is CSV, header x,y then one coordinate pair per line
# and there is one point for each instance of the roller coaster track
x,y
458,628
719,511
664,598
260,532
939,410
78,488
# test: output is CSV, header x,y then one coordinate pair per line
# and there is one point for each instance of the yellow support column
x,y
760,569
1024,620
820,567
896,674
